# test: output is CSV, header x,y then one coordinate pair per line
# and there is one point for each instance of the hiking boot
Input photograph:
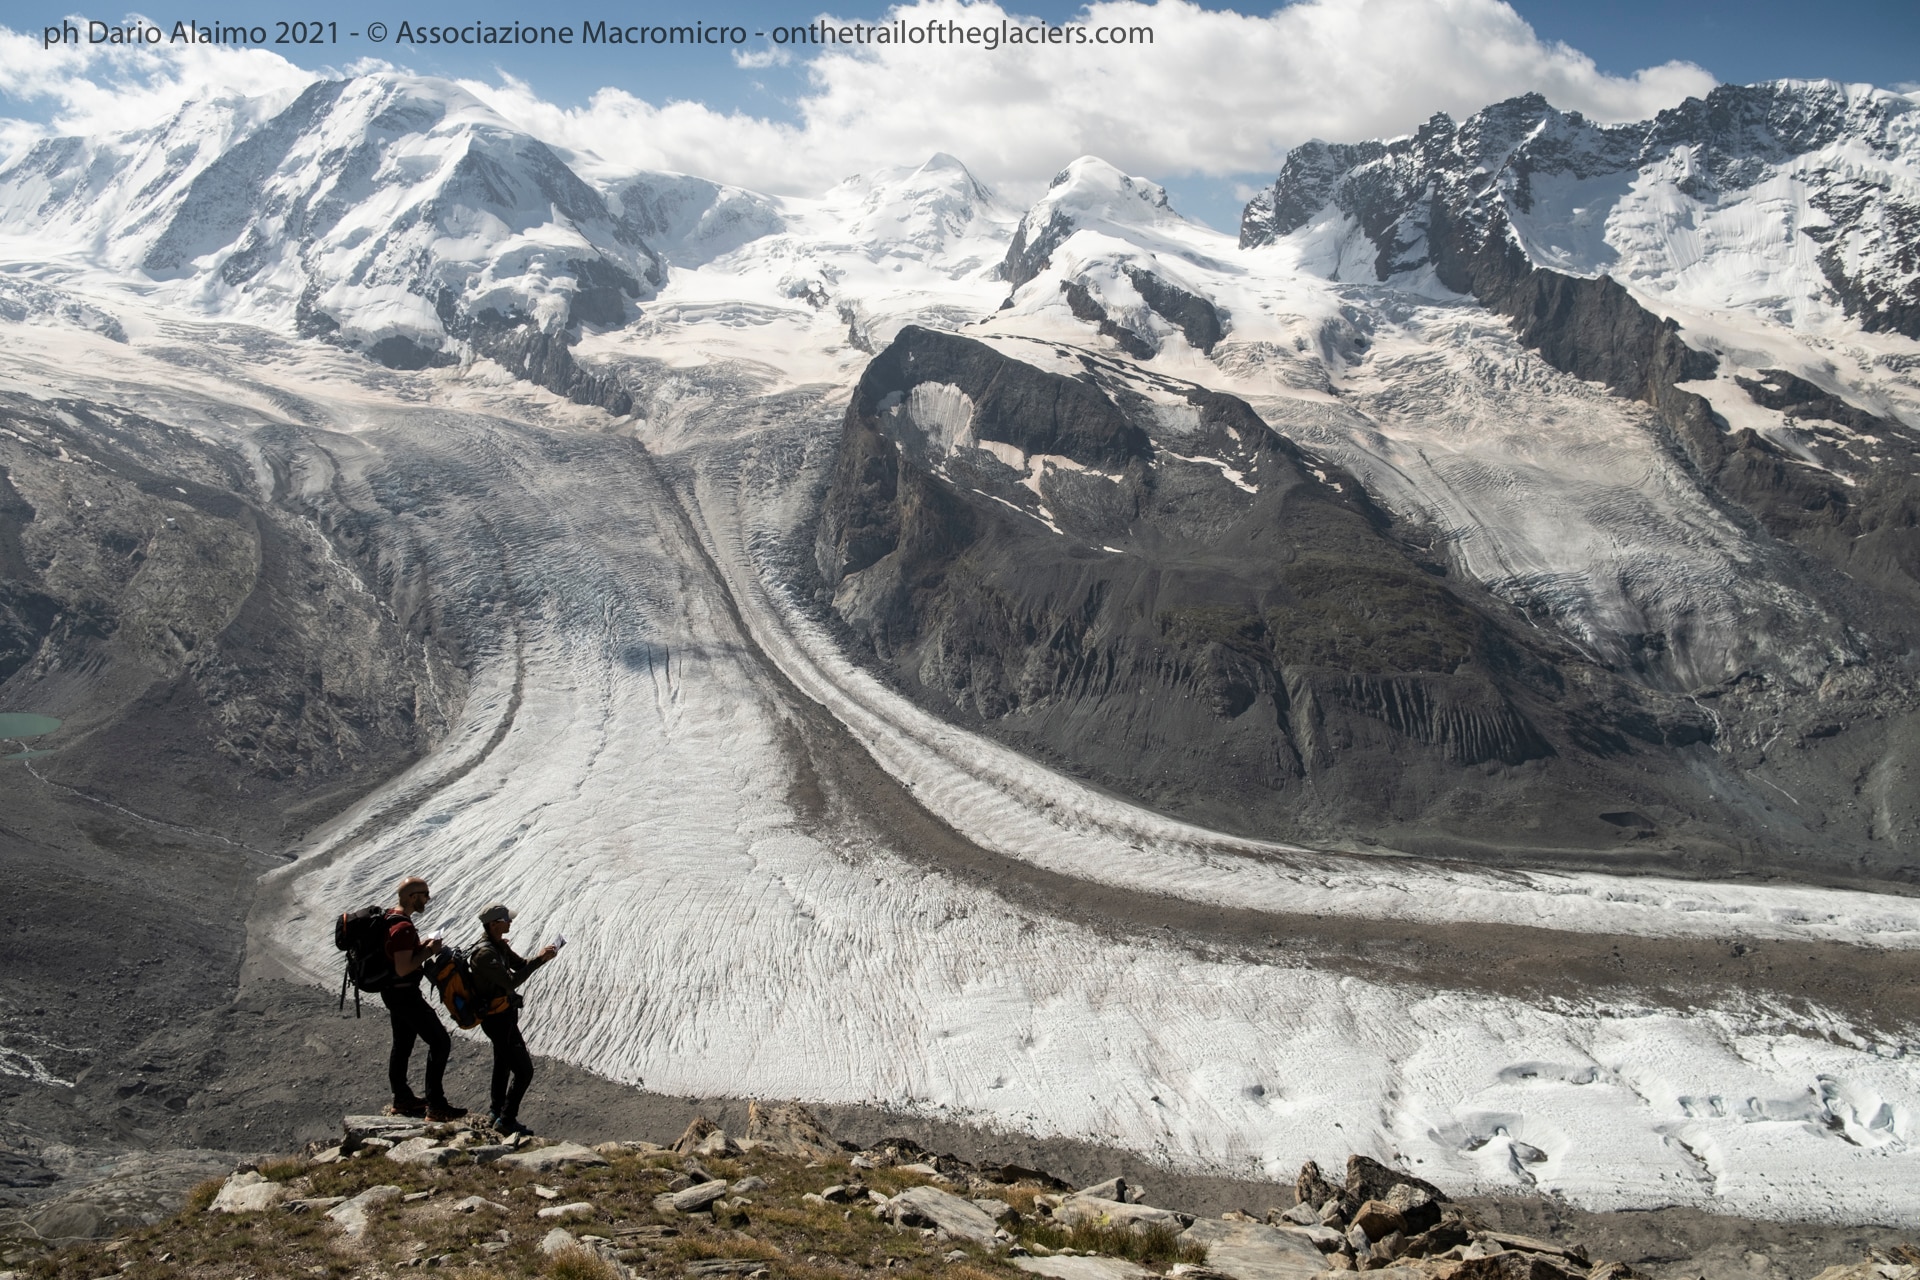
x,y
443,1111
413,1107
512,1128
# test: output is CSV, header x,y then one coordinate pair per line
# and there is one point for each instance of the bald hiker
x,y
413,1018
498,971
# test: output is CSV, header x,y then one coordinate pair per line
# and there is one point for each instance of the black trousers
x,y
414,1019
512,1064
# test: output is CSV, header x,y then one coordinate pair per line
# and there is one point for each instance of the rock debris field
x,y
788,1200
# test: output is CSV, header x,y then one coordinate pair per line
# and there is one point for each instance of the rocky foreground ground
x,y
787,1201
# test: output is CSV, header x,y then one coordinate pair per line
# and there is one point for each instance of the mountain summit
x,y
389,213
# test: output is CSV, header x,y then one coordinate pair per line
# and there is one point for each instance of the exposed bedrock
x,y
1172,600
221,657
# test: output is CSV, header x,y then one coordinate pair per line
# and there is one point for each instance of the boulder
x,y
312,1204
1368,1179
1254,1251
1300,1215
944,1210
1325,1239
559,1240
488,1152
792,1130
577,1209
1416,1207
1448,1233
1378,1218
1115,1189
353,1216
1115,1213
1509,1265
247,1192
1532,1244
420,1151
558,1156
1082,1268
1312,1188
696,1132
698,1197
998,1210
388,1128
716,1146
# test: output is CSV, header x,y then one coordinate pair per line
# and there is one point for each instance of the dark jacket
x,y
499,970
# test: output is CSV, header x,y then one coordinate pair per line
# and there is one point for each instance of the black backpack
x,y
362,935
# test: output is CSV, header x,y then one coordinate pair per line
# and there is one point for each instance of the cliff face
x,y
1144,584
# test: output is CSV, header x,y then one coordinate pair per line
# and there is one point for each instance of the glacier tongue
x,y
627,774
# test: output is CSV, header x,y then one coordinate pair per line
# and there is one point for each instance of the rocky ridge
x,y
788,1200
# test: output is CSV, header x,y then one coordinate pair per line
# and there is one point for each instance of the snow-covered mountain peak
x,y
921,211
1089,194
1797,200
387,212
1093,186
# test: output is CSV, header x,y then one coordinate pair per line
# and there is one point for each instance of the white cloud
x,y
1216,93
760,59
100,88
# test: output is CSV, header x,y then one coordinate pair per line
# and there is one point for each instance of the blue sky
x,y
1162,112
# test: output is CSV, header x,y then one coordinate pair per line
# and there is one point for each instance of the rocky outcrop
x,y
545,358
1174,600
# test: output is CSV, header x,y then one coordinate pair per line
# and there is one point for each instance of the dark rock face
x,y
1194,316
546,359
212,655
1180,606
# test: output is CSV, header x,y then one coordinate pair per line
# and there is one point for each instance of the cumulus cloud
x,y
100,88
1215,93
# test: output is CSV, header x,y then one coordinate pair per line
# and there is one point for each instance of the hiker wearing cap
x,y
413,1018
499,970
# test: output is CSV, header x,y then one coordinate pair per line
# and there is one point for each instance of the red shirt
x,y
401,935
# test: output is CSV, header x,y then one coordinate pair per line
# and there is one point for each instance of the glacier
x,y
667,756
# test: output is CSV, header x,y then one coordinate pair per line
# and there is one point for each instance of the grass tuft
x,y
1154,1244
203,1193
579,1264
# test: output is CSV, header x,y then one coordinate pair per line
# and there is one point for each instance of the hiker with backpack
x,y
413,1018
498,970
